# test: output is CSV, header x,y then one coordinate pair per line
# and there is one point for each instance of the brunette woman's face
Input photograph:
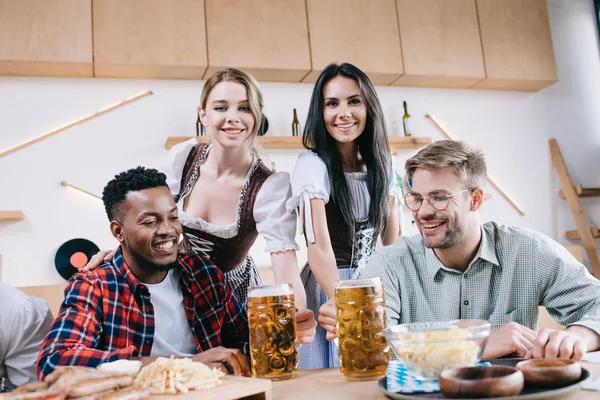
x,y
344,110
227,116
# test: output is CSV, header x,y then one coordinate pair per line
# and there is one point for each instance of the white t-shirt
x,y
172,331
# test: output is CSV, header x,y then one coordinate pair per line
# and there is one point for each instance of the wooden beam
x,y
295,142
68,185
581,192
12,216
489,179
72,124
574,235
580,220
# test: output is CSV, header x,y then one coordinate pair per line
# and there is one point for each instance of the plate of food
x,y
123,379
529,392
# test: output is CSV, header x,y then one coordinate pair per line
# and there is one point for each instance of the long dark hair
x,y
372,144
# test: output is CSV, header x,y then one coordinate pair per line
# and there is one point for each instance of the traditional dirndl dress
x,y
351,246
261,209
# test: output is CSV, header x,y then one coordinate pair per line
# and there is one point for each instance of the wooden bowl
x,y
550,372
493,381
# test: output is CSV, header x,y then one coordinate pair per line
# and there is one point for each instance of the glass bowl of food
x,y
428,348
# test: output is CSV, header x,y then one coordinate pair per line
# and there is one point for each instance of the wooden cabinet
x,y
441,45
517,45
46,38
149,39
363,33
266,38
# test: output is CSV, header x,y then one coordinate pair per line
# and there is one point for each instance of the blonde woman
x,y
226,195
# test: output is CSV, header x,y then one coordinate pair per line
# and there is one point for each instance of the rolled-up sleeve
x,y
567,290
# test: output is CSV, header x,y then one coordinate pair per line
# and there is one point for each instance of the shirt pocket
x,y
499,319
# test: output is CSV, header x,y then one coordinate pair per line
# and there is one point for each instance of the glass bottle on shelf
x,y
295,125
407,122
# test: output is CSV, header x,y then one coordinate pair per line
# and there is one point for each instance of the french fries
x,y
177,375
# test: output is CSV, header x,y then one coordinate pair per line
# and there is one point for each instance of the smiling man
x,y
148,301
458,268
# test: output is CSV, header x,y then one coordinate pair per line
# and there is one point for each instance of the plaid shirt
x,y
108,315
514,271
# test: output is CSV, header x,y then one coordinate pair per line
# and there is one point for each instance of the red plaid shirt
x,y
107,315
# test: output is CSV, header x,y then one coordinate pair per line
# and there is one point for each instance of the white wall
x,y
512,129
571,109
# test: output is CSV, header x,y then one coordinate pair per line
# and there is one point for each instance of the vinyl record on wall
x,y
72,255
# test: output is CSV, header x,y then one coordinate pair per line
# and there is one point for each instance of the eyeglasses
x,y
439,202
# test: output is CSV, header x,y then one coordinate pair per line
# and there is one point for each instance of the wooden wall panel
x,y
150,39
441,45
363,33
266,38
46,38
517,45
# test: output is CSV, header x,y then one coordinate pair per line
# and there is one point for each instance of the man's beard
x,y
453,236
149,265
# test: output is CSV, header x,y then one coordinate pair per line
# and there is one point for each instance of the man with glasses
x,y
458,268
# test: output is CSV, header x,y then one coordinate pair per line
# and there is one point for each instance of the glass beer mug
x,y
272,324
363,349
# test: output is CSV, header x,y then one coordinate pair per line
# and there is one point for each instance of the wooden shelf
x,y
12,216
581,192
574,235
291,142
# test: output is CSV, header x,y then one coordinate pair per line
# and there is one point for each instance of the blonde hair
x,y
255,98
468,162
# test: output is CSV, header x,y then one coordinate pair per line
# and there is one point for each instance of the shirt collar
x,y
486,252
119,262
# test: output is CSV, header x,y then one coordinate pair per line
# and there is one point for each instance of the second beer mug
x,y
272,323
364,351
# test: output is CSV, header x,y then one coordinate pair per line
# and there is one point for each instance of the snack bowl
x,y
481,382
428,348
550,373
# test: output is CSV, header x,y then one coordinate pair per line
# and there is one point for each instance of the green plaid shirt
x,y
513,272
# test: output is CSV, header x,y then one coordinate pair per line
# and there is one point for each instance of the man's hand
x,y
306,326
327,319
551,343
227,360
98,259
508,339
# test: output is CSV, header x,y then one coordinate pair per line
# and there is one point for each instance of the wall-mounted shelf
x,y
295,142
574,235
12,216
582,192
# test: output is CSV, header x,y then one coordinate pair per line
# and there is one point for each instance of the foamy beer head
x,y
361,319
272,323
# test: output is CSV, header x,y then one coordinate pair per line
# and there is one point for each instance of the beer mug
x,y
360,320
272,323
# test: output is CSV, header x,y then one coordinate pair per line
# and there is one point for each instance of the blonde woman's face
x,y
227,116
344,112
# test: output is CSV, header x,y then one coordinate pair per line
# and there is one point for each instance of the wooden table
x,y
329,384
